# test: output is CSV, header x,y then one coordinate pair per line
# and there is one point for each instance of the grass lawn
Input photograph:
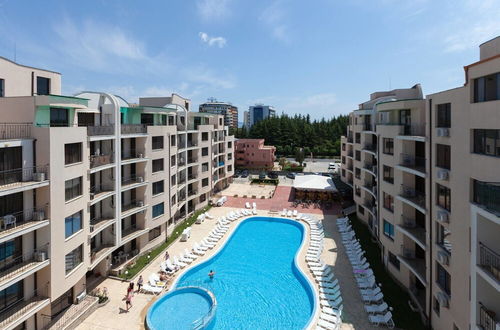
x,y
143,260
394,294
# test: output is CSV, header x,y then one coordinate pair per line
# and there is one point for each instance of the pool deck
x,y
114,316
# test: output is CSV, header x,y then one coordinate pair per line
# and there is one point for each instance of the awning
x,y
314,183
88,110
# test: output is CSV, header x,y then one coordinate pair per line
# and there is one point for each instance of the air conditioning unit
x,y
39,177
442,257
442,216
443,174
140,179
80,297
40,256
443,299
443,132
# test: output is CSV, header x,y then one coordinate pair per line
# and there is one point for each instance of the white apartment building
x,y
425,176
88,183
229,111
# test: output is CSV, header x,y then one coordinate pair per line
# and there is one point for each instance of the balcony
x,y
220,164
487,319
410,228
22,179
10,131
368,127
412,164
134,129
15,269
487,196
99,252
181,162
191,144
371,168
370,206
100,130
131,207
100,222
489,261
418,296
417,130
133,181
132,156
370,148
24,308
19,223
192,160
349,139
131,232
350,154
98,193
192,193
416,265
413,197
101,160
192,177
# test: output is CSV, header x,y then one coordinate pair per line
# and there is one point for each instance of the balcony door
x,y
12,204
405,120
11,159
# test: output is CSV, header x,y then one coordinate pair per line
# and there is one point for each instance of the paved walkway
x,y
114,316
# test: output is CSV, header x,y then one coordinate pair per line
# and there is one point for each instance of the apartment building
x,y
87,183
252,153
424,173
229,111
259,112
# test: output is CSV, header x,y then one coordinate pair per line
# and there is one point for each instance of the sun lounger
x,y
377,309
373,298
170,265
333,311
200,247
204,242
329,284
289,213
254,205
198,251
328,296
331,303
146,288
385,319
190,255
247,205
330,291
294,214
283,213
185,260
254,211
330,318
179,263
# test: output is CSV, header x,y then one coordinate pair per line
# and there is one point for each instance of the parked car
x,y
290,175
262,175
244,174
272,175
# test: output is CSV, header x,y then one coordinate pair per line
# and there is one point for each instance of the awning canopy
x,y
314,183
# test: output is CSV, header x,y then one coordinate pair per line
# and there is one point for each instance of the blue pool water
x,y
257,284
179,309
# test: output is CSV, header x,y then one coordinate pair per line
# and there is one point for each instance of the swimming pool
x,y
257,283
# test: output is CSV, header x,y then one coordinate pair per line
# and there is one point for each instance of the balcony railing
x,y
100,130
221,164
192,144
489,260
413,162
192,192
15,131
192,160
487,195
99,221
23,306
350,154
413,195
95,190
132,180
370,147
21,218
181,162
132,205
12,267
487,319
129,230
413,130
192,176
25,175
367,127
134,129
97,252
131,154
101,160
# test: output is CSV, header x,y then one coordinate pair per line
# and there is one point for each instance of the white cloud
x,y
212,41
213,9
273,17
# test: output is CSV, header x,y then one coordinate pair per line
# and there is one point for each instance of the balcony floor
x,y
12,188
22,311
27,226
415,233
417,266
20,271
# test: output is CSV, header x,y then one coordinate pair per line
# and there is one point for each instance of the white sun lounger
x,y
146,288
200,247
179,263
329,284
190,255
185,260
331,303
289,213
283,213
330,291
254,205
254,211
330,318
322,324
328,296
247,205
204,242
333,311
294,214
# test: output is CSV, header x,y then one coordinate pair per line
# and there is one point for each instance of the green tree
x,y
299,155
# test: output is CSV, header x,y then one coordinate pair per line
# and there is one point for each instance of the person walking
x,y
128,300
140,281
167,256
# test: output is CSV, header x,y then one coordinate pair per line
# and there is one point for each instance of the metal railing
x,y
96,253
413,130
94,190
408,222
132,179
192,144
100,160
22,306
489,260
192,192
367,127
129,230
192,160
487,318
413,195
23,217
192,176
15,131
132,204
100,130
134,128
131,154
414,162
370,147
24,175
94,222
19,264
487,194
181,162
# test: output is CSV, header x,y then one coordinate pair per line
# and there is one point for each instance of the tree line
x,y
287,134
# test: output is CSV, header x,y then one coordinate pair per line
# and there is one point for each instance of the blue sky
x,y
321,57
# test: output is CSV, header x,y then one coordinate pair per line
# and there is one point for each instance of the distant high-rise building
x,y
229,111
259,112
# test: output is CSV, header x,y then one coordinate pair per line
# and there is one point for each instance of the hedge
x,y
266,181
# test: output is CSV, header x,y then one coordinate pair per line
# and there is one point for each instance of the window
x,y
173,200
73,188
357,190
229,168
388,146
443,279
73,223
443,156
343,172
388,174
444,115
157,165
229,145
73,259
343,159
487,142
10,250
157,142
58,117
388,229
204,136
361,209
343,146
204,182
487,88
358,137
158,209
154,233
388,202
11,295
147,119
42,86
172,160
357,173
443,197
72,153
358,155
204,151
173,180
393,260
158,187
2,88
172,141
443,238
204,167
436,306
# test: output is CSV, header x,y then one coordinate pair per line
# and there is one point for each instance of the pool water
x,y
179,309
257,284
